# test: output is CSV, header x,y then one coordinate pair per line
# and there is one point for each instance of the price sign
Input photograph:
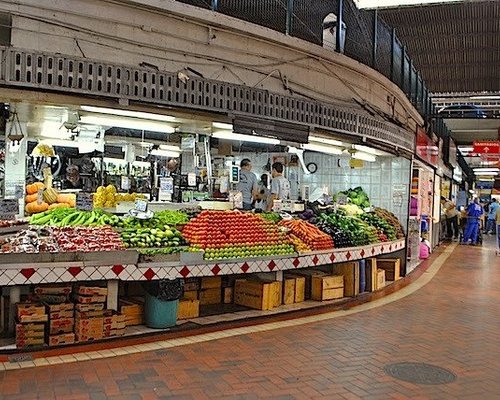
x,y
9,208
141,205
125,183
84,201
167,185
342,199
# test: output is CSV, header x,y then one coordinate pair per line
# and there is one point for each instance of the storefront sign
x,y
9,208
486,147
84,201
482,185
427,150
457,174
398,195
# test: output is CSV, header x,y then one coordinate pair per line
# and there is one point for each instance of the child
x,y
425,248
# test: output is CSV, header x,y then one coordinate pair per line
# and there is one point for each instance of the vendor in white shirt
x,y
248,184
280,186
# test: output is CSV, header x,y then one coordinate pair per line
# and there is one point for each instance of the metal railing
x,y
366,38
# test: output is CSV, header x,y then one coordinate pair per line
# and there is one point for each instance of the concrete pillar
x,y
113,288
14,297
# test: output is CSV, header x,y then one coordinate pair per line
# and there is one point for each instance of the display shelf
x,y
117,268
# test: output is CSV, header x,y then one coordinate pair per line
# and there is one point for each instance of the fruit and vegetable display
x,y
313,237
234,234
108,197
391,220
71,217
271,216
159,220
166,237
346,231
9,223
358,197
87,239
385,230
31,240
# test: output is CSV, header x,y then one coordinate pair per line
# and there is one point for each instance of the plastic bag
x,y
165,289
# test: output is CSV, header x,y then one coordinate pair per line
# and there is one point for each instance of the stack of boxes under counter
x,y
31,324
89,321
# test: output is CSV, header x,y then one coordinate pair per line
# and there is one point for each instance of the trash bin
x,y
161,303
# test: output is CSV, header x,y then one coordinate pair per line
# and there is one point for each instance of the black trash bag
x,y
165,289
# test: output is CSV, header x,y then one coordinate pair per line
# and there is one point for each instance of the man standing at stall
x,y
451,215
280,186
248,184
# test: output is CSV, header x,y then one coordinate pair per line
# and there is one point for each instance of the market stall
x,y
72,257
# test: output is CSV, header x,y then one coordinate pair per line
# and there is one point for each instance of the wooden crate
x,y
90,299
29,309
289,291
350,271
307,274
300,287
391,266
191,284
212,282
380,279
191,294
327,287
371,274
210,296
58,340
188,309
56,308
228,295
92,291
257,294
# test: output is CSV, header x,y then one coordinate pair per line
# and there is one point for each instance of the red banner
x,y
427,149
486,148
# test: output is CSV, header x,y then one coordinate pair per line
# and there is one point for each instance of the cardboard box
x,y
89,322
30,328
82,337
211,282
188,309
22,343
54,290
228,295
210,296
61,314
90,299
59,326
391,266
289,291
190,294
89,307
191,284
33,318
307,274
114,332
89,314
350,271
55,308
380,279
257,294
92,291
134,320
58,340
328,287
115,318
27,309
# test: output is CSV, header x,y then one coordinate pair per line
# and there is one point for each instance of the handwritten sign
x,y
141,205
9,208
84,201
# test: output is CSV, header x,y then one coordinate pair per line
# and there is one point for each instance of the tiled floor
x,y
452,321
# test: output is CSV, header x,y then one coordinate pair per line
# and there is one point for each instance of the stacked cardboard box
x,y
133,312
114,324
30,327
89,321
61,323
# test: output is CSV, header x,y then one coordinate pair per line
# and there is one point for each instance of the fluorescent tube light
x,y
127,113
128,123
368,150
364,156
397,3
170,148
331,142
486,173
485,98
486,169
322,149
221,125
229,135
165,153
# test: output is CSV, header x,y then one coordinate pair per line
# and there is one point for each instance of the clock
x,y
312,167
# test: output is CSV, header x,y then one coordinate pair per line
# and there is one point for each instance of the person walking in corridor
x,y
474,214
491,221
